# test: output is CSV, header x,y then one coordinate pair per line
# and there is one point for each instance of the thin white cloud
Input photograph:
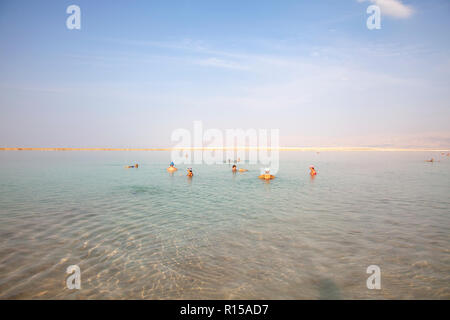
x,y
220,63
393,8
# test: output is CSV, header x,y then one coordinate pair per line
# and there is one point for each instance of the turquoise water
x,y
144,234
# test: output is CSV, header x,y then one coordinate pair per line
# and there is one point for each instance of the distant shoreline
x,y
316,149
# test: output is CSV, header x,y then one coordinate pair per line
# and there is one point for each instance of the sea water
x,y
145,234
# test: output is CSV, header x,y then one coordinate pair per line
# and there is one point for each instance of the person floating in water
x,y
190,173
431,160
172,168
234,169
266,175
312,171
130,167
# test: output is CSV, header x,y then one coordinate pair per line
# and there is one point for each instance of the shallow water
x,y
143,234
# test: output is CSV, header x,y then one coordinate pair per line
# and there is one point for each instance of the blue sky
x,y
137,70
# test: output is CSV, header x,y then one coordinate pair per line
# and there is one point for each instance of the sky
x,y
138,70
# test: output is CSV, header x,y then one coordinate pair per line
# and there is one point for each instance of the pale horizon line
x,y
317,149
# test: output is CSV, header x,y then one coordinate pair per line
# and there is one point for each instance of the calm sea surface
x,y
143,234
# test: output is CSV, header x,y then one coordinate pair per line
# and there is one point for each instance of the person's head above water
x,y
266,175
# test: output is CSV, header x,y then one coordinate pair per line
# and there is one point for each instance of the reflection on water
x,y
148,234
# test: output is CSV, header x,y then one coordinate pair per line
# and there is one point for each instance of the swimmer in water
x,y
266,175
171,168
190,173
234,169
312,171
130,167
